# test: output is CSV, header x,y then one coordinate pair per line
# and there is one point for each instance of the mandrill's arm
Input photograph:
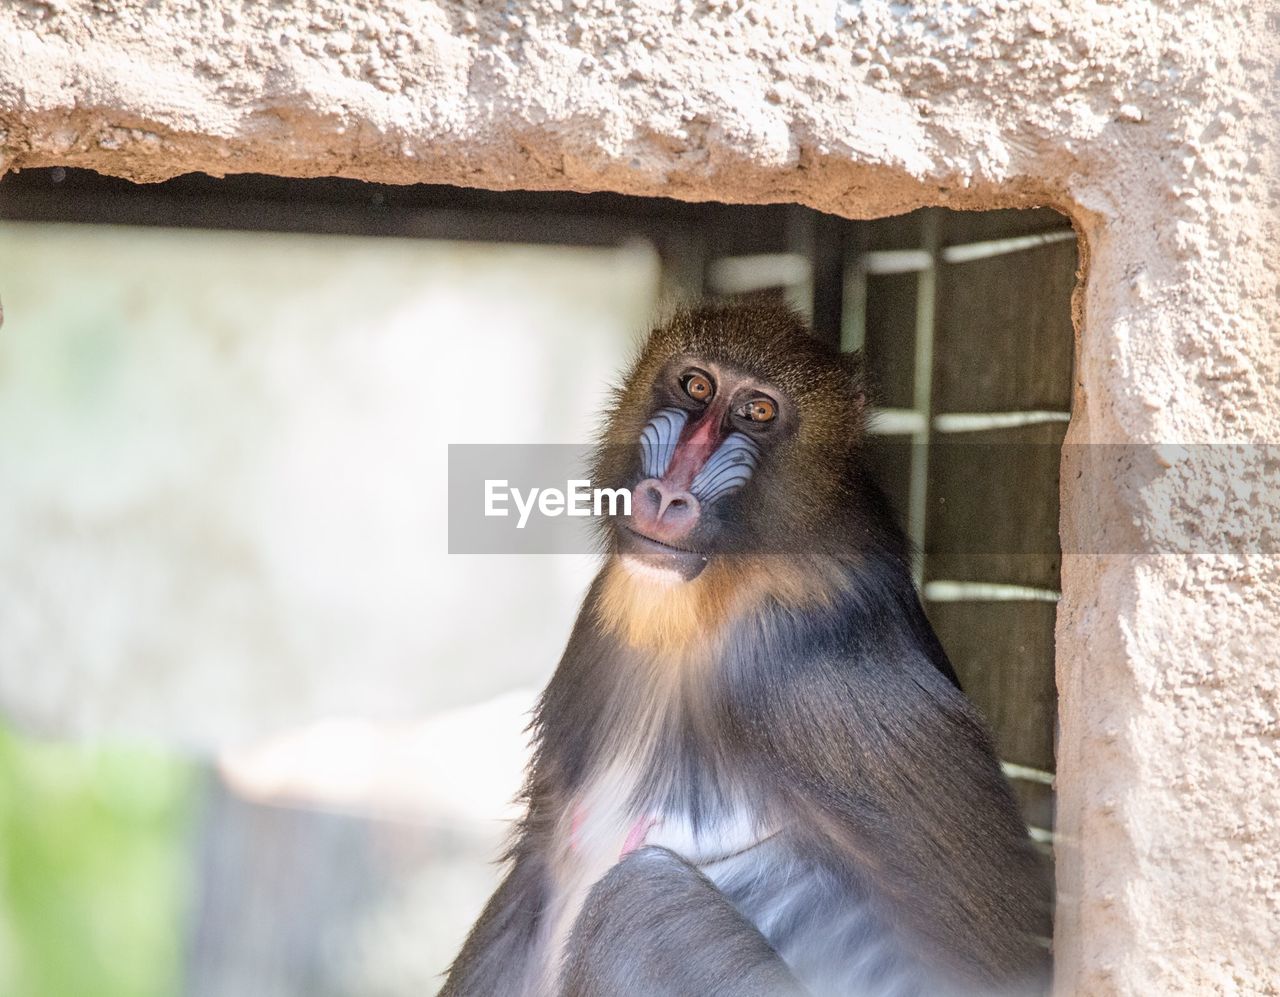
x,y
497,956
897,778
656,926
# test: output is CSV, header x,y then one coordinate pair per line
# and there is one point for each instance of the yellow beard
x,y
655,609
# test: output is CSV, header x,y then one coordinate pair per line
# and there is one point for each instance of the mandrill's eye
x,y
698,386
759,410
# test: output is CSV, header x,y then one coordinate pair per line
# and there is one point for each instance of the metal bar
x,y
800,229
972,422
949,591
253,201
853,307
1013,770
683,256
740,274
922,392
895,422
999,247
169,211
888,261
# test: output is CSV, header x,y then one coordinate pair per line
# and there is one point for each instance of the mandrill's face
x,y
735,432
709,431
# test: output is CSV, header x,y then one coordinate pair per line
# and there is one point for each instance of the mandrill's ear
x,y
854,364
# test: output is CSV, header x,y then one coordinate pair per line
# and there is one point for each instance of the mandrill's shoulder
x,y
870,684
867,640
857,697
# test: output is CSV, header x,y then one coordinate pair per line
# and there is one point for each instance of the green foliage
x,y
94,867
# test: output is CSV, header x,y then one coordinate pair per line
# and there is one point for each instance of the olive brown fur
x,y
828,812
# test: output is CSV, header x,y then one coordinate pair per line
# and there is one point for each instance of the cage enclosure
x,y
964,319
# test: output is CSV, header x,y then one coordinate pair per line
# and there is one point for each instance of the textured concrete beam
x,y
1151,124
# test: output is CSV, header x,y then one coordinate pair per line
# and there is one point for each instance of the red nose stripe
x,y
696,445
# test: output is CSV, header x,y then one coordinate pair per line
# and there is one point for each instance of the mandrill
x,y
754,769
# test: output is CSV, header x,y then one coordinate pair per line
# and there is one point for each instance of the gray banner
x,y
983,499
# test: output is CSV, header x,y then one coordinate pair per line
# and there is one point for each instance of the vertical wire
x,y
922,392
801,238
853,305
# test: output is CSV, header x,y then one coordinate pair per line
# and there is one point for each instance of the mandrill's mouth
x,y
654,554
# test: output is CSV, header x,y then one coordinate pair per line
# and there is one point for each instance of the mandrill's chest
x,y
604,825
607,820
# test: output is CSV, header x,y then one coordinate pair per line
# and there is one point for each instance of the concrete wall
x,y
1151,124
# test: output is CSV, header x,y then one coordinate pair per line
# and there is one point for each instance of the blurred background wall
x,y
223,534
222,460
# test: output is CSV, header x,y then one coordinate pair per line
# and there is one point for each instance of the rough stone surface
x,y
1151,124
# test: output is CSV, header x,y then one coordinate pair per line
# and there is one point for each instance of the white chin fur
x,y
642,569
